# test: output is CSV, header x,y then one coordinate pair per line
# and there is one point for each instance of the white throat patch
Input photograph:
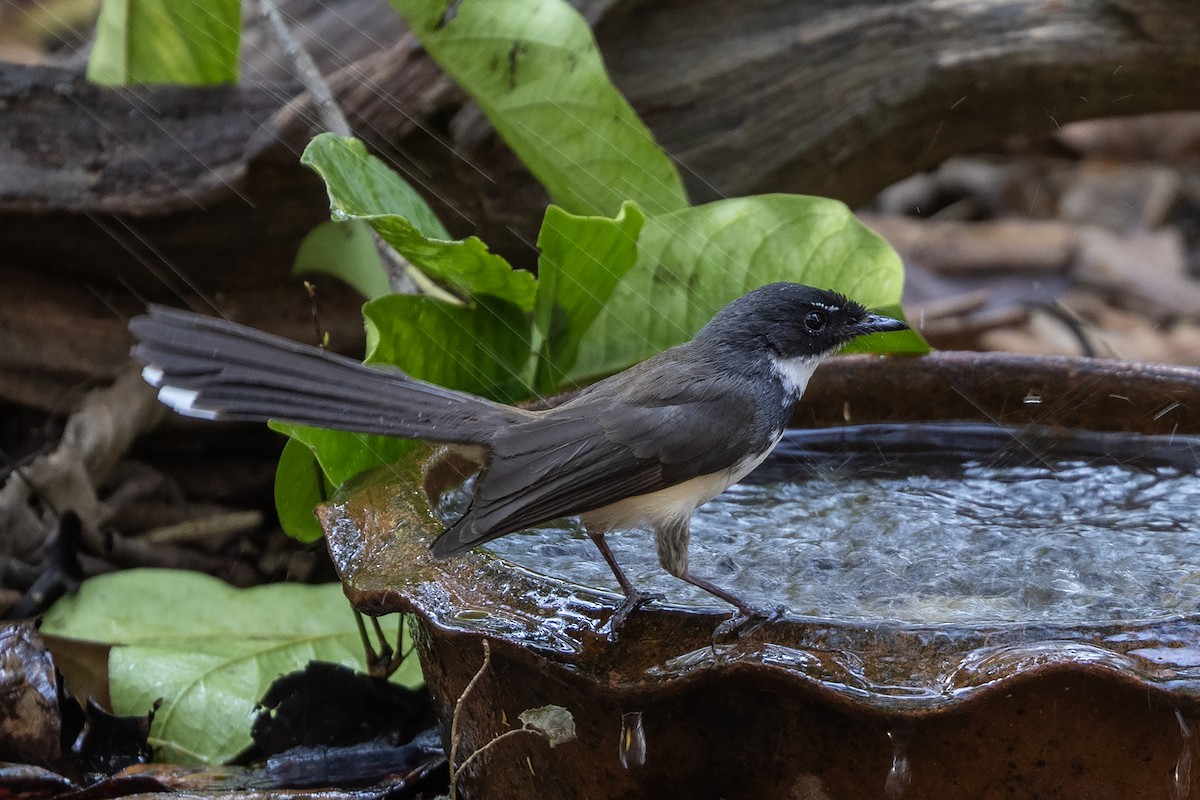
x,y
794,373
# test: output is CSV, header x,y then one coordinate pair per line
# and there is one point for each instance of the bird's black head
x,y
792,321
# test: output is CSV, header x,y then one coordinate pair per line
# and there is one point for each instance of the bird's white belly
x,y
674,502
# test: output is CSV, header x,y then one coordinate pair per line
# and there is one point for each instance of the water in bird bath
x,y
929,524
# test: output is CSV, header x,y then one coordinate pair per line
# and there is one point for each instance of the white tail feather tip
x,y
152,375
183,402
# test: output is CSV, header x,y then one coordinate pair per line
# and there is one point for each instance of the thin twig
x,y
213,527
454,718
400,625
305,69
401,277
501,737
368,649
385,662
385,648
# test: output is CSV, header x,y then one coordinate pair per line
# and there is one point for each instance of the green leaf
x,y
299,486
483,349
692,262
210,686
341,455
362,187
345,250
189,42
581,260
534,68
209,650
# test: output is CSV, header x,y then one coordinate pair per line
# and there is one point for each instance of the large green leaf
x,y
534,68
483,348
340,455
207,649
191,42
345,250
581,260
300,485
692,262
362,187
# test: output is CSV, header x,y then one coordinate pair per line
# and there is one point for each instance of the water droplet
x,y
338,215
633,740
1183,766
900,775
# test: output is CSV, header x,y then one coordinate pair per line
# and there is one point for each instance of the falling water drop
x,y
1183,766
900,775
633,740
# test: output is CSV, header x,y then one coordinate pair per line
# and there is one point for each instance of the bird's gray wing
x,y
601,449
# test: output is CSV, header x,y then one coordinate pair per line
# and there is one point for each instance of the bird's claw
x,y
746,621
631,603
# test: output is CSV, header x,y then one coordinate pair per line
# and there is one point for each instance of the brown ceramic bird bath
x,y
804,707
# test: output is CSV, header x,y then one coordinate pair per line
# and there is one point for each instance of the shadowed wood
x,y
173,192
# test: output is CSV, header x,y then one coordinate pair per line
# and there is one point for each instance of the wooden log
x,y
196,194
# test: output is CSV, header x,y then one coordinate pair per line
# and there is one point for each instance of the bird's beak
x,y
877,323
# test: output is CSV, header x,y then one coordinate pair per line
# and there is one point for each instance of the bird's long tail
x,y
211,368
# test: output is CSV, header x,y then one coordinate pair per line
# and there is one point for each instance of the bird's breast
x,y
674,502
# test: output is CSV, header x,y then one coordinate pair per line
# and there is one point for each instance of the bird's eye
x,y
814,321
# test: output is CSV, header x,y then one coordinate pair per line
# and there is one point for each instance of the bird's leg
x,y
672,540
633,596
748,618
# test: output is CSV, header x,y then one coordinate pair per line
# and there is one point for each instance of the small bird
x,y
644,447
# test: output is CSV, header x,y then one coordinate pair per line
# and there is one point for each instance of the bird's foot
x,y
632,602
746,621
